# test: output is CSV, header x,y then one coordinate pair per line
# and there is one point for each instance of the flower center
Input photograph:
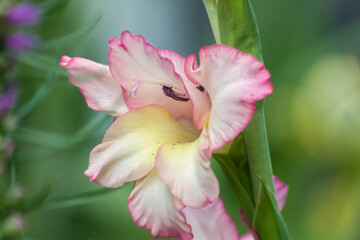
x,y
178,96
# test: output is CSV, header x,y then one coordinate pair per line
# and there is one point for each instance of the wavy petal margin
x,y
233,81
143,72
101,91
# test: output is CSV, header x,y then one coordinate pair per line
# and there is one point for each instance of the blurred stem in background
x,y
233,23
16,22
16,46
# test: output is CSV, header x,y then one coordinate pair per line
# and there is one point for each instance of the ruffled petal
x,y
187,174
177,61
233,81
198,94
128,150
101,91
144,73
211,222
154,208
281,190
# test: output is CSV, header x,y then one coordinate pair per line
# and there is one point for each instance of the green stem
x,y
257,149
77,199
255,133
57,140
237,28
43,91
214,22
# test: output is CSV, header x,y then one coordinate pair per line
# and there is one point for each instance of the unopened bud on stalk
x,y
7,145
16,192
13,224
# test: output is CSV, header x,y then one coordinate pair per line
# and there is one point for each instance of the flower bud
x,y
7,145
13,224
16,192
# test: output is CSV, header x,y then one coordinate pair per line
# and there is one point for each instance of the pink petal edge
x,y
253,85
100,90
183,234
163,66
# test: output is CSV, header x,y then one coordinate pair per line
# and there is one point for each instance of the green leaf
x,y
241,193
52,6
39,199
42,92
268,222
9,205
73,37
237,155
238,27
77,199
42,62
211,9
58,140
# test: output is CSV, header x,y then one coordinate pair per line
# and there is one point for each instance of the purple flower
x,y
21,41
24,14
7,100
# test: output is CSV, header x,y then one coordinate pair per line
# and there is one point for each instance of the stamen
x,y
169,92
201,88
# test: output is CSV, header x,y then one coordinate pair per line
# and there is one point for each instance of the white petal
x,y
187,174
101,91
153,207
234,81
130,145
211,222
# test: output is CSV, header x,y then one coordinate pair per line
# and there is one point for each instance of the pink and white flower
x,y
170,115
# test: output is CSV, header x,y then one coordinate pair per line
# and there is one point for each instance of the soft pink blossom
x,y
170,115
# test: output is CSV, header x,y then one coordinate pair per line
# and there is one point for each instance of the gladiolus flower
x,y
170,115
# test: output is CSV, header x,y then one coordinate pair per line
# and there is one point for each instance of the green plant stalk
x,y
212,13
255,133
257,148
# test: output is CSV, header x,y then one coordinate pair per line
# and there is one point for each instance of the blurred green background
x,y
312,50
